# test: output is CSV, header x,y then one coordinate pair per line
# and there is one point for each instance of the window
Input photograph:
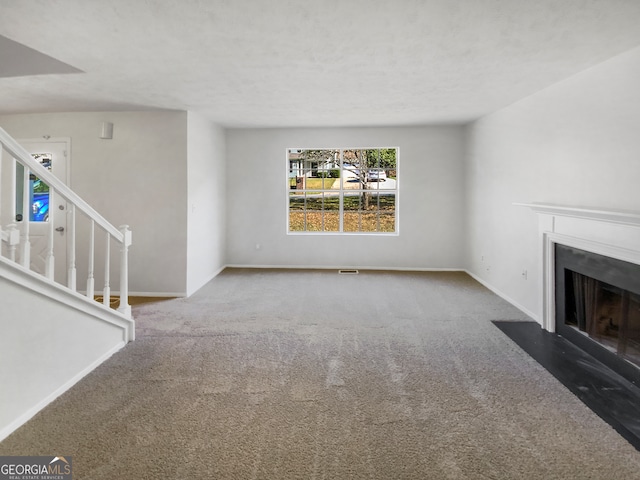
x,y
342,190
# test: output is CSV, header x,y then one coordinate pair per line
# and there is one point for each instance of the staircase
x,y
53,331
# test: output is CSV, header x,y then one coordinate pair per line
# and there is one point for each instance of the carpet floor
x,y
313,375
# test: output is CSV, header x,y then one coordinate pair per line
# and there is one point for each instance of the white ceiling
x,y
276,63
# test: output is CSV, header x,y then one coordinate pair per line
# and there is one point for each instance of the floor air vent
x,y
348,272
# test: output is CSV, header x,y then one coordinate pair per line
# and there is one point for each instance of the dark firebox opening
x,y
598,307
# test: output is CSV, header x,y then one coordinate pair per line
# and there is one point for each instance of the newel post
x,y
124,307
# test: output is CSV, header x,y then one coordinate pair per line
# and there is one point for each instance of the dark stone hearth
x,y
611,396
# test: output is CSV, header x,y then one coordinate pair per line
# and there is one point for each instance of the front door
x,y
45,207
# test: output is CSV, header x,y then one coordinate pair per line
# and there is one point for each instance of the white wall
x,y
206,203
576,143
138,178
45,347
431,200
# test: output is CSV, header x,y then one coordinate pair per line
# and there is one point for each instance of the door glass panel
x,y
39,195
38,191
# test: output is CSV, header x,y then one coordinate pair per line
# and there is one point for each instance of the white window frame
x,y
341,192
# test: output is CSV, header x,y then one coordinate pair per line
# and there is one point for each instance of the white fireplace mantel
x,y
614,234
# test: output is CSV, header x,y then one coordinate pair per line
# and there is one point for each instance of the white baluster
x,y
1,155
13,185
17,237
49,266
25,247
107,260
90,280
124,307
71,251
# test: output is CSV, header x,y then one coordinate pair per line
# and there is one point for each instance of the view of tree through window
x,y
343,190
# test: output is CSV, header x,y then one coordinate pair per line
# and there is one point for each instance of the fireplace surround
x,y
599,244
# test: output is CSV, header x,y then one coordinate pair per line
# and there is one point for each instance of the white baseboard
x,y
153,294
505,297
345,267
26,416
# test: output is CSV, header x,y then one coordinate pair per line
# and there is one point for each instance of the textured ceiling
x,y
279,63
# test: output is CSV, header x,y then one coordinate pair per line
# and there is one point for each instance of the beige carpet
x,y
315,375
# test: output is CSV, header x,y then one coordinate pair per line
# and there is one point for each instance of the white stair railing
x,y
15,235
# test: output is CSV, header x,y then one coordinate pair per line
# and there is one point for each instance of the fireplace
x,y
598,307
590,296
603,245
